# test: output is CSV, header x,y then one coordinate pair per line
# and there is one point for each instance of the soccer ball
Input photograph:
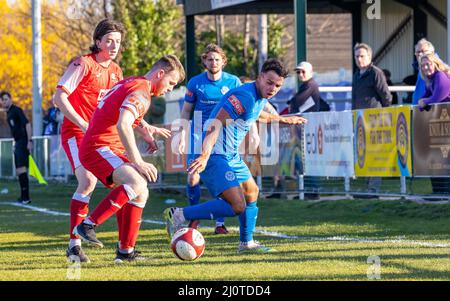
x,y
188,244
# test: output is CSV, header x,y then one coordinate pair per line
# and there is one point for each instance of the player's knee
x,y
87,185
139,186
193,180
239,207
137,198
255,192
138,202
252,194
143,196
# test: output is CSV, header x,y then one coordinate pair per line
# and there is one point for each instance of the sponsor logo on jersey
x,y
237,105
224,90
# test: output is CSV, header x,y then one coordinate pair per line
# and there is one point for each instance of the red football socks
x,y
78,212
130,226
112,203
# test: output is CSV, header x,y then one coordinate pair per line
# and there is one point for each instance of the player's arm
x,y
148,133
212,133
126,134
190,98
28,130
145,129
185,116
61,100
268,117
74,74
29,136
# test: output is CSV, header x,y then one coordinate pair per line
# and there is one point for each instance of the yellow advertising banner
x,y
382,142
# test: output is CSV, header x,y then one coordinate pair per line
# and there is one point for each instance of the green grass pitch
x,y
327,240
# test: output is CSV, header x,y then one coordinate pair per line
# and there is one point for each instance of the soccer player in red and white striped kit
x,y
87,79
110,152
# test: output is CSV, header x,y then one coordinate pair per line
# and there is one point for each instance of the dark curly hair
x,y
276,66
104,27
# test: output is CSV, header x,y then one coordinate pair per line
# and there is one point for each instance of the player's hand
x,y
293,120
152,146
198,165
156,131
148,170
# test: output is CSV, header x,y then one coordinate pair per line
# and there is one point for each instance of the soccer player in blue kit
x,y
204,91
220,166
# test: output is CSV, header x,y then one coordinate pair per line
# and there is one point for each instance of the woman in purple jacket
x,y
436,75
437,78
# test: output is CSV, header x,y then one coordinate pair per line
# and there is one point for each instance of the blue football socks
x,y
209,210
247,222
193,193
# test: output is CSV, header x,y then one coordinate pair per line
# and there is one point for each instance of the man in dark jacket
x,y
369,90
306,100
369,87
308,89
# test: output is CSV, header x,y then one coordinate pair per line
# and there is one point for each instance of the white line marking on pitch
x,y
399,241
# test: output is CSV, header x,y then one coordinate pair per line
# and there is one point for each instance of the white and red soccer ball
x,y
188,244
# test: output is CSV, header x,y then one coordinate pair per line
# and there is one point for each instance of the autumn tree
x,y
65,34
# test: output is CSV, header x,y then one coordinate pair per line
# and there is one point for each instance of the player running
x,y
87,79
204,91
110,153
220,165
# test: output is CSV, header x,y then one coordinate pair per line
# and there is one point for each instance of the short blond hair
x,y
170,63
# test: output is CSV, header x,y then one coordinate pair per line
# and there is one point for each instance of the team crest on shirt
x,y
224,90
113,77
99,74
236,103
230,176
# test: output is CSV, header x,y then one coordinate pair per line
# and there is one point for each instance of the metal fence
x,y
47,153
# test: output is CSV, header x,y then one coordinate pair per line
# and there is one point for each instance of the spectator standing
x,y
434,74
369,90
52,122
308,89
422,47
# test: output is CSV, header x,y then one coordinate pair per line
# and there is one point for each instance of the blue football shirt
x,y
205,94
